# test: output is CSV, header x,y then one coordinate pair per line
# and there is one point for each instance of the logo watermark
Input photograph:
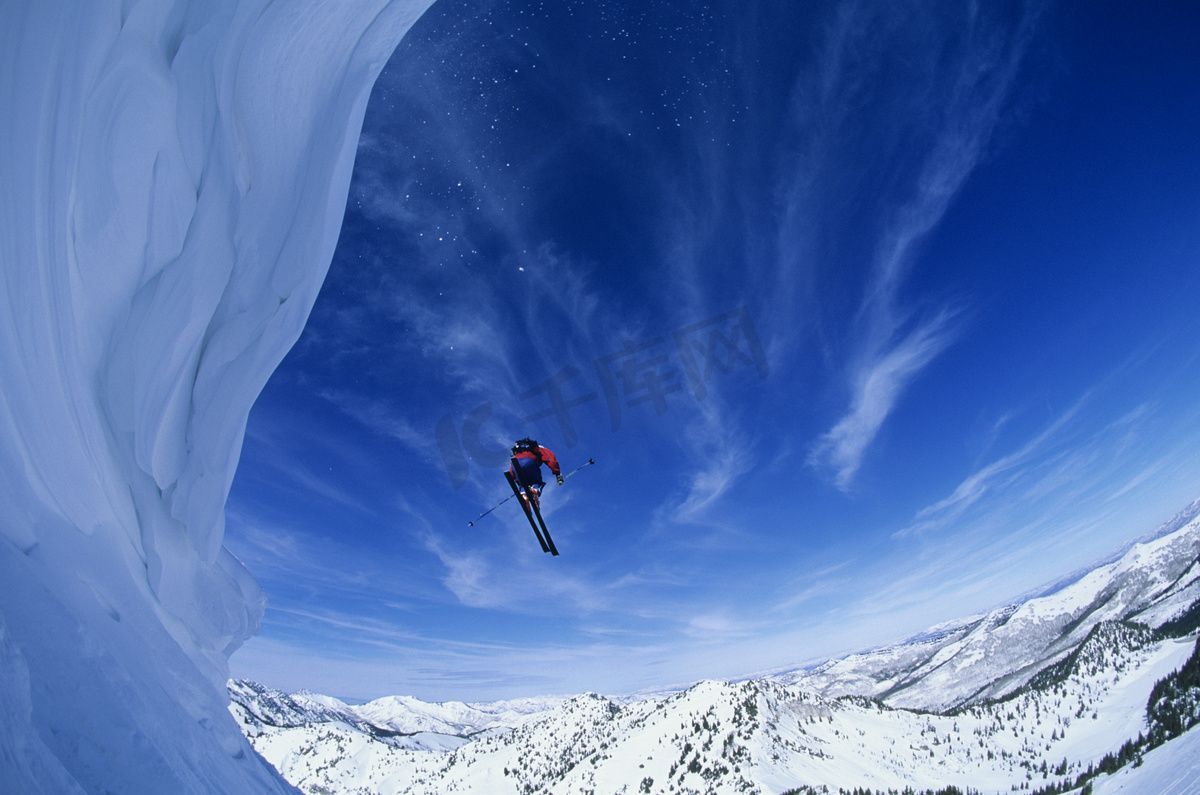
x,y
639,373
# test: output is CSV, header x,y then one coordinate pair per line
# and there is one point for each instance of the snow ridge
x,y
1071,676
260,707
991,657
159,253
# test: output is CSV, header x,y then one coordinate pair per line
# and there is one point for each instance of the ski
x,y
537,510
530,503
525,506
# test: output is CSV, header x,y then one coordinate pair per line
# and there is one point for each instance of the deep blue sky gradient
x,y
968,241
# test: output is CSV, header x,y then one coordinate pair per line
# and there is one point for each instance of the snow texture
x,y
174,177
1171,769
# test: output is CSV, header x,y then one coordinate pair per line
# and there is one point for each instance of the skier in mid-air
x,y
528,456
525,476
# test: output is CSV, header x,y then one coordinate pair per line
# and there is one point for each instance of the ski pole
x,y
581,466
489,510
509,497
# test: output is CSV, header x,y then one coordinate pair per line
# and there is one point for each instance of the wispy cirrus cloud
x,y
987,478
937,131
380,417
879,383
274,439
718,442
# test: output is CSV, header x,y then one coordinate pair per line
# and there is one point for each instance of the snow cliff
x,y
174,179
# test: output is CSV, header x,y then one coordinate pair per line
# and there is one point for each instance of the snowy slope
x,y
159,253
1173,769
257,706
407,714
993,655
755,736
1073,692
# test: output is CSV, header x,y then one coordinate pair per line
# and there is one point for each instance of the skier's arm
x,y
549,460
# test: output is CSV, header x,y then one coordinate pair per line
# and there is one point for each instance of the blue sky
x,y
871,315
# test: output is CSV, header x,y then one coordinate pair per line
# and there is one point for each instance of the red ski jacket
x,y
547,458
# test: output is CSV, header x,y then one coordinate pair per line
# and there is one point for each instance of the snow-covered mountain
x,y
1035,694
441,724
990,656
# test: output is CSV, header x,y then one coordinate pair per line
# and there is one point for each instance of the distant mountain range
x,y
1038,696
991,656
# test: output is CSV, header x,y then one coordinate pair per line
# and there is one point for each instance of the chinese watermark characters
x,y
639,373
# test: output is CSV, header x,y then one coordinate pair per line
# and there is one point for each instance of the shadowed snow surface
x,y
159,253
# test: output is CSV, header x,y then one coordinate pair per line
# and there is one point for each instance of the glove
x,y
560,480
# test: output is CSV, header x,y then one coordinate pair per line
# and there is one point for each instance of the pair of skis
x,y
529,504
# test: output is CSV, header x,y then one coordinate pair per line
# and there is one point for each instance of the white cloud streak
x,y
964,111
878,386
977,484
715,439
